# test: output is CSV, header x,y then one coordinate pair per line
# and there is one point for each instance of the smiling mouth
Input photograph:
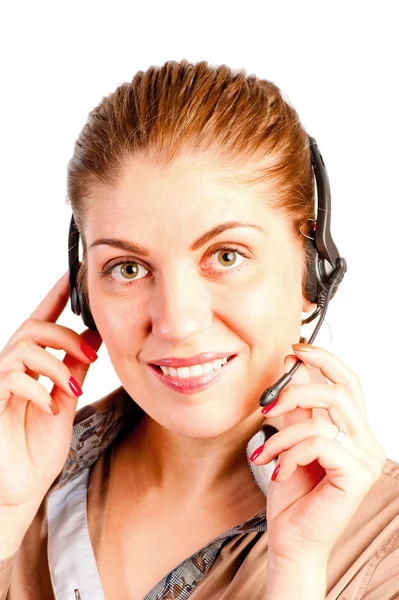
x,y
185,373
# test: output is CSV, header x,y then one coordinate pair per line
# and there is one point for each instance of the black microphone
x,y
273,391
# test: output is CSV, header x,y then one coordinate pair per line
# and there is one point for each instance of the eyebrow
x,y
135,249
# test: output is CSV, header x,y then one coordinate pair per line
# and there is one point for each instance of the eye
x,y
226,257
129,270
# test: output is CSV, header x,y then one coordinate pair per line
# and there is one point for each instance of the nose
x,y
180,306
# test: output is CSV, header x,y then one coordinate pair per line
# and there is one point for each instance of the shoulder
x,y
379,511
384,495
95,427
100,405
365,557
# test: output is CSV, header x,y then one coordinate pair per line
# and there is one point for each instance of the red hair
x,y
240,121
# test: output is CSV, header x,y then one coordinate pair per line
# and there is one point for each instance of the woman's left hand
x,y
320,483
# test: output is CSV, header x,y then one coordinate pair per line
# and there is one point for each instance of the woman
x,y
173,511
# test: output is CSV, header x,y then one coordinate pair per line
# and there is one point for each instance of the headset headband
x,y
327,255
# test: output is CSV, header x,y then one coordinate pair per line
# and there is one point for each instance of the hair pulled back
x,y
238,120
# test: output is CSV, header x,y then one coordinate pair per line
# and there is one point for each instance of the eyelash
x,y
106,273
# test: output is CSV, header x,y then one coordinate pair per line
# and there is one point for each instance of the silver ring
x,y
341,435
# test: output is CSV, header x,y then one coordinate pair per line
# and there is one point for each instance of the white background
x,y
337,62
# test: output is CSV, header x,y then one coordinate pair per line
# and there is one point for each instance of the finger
x,y
19,386
316,427
44,334
348,471
77,369
301,376
342,409
330,365
341,481
27,355
52,305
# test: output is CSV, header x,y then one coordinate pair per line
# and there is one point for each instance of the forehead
x,y
188,198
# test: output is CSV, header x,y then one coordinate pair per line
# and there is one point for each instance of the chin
x,y
202,423
204,415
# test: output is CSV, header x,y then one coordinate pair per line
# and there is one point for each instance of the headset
x,y
325,268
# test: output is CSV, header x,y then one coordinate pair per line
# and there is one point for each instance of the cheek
x,y
119,321
262,312
267,311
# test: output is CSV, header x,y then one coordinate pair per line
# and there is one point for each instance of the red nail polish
x,y
88,350
275,472
75,387
256,453
266,409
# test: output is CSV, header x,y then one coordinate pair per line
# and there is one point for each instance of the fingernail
x,y
275,472
256,453
88,350
54,407
266,409
75,387
303,347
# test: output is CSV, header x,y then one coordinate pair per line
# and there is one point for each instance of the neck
x,y
160,463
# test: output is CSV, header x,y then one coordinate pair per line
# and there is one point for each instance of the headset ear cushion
x,y
86,313
311,282
82,302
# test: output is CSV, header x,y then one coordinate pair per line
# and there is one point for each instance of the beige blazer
x,y
56,559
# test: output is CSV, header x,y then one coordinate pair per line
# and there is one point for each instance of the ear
x,y
308,307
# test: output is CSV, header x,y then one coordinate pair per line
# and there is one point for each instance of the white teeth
x,y
183,372
195,370
218,363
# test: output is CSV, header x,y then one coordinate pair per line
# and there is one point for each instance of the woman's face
x,y
185,297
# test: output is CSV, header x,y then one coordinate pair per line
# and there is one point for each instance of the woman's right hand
x,y
34,443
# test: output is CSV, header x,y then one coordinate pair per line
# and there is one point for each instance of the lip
x,y
192,385
198,359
